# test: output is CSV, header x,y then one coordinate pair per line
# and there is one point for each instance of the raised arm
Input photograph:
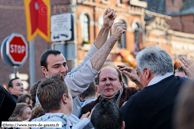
x,y
108,20
99,58
80,77
79,81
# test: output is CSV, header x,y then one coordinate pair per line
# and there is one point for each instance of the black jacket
x,y
152,108
7,104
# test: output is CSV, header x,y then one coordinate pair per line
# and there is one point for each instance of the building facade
x,y
147,24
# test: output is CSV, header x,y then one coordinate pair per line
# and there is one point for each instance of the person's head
x,y
153,61
90,92
109,82
33,92
53,62
25,98
184,107
22,111
180,72
37,111
53,95
107,116
15,87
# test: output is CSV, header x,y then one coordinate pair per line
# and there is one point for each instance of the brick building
x,y
181,12
89,17
173,20
13,20
144,27
88,14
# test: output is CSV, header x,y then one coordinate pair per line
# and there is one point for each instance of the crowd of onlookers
x,y
91,97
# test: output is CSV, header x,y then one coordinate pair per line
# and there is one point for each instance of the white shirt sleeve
x,y
80,77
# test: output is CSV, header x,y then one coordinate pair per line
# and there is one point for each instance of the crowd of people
x,y
89,97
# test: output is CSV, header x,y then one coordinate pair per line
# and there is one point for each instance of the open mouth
x,y
109,89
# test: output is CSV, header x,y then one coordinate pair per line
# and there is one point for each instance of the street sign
x,y
60,22
14,45
61,36
17,49
69,50
62,27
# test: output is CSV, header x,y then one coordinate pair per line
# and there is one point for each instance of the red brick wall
x,y
12,20
173,6
183,23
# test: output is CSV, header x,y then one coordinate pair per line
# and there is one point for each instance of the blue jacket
x,y
57,117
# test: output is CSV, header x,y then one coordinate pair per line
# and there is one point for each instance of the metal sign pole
x,y
31,61
15,71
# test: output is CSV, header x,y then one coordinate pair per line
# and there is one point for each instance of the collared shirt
x,y
158,78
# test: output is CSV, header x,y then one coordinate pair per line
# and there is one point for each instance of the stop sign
x,y
17,49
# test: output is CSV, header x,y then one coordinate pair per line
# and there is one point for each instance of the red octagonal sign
x,y
17,49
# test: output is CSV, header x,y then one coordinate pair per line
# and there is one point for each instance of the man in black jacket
x,y
152,107
15,87
7,104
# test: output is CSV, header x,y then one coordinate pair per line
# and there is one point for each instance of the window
x,y
120,3
136,28
105,1
85,28
122,41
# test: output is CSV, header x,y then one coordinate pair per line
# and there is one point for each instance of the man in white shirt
x,y
53,62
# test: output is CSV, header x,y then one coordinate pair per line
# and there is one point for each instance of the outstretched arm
x,y
80,77
99,58
79,81
130,72
108,20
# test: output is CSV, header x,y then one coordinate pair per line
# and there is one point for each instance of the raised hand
x,y
131,73
188,66
118,29
109,17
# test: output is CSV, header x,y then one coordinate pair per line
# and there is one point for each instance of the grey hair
x,y
156,59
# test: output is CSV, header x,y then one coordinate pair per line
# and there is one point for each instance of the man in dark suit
x,y
152,107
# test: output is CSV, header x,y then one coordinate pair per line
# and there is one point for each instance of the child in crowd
x,y
22,112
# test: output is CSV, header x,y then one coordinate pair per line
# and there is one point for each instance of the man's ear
x,y
10,89
123,125
96,88
121,83
147,73
64,98
44,70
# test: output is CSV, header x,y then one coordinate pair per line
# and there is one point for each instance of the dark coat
x,y
152,108
7,104
127,93
15,98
